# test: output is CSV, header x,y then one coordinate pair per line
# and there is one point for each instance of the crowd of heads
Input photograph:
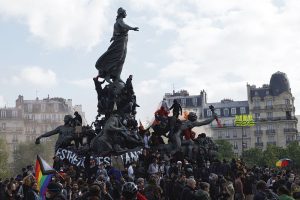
x,y
155,176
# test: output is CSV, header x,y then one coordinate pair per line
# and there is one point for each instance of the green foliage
x,y
253,156
272,154
26,154
4,169
225,150
293,153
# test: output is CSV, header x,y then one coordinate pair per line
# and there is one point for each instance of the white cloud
x,y
83,83
222,45
36,76
60,23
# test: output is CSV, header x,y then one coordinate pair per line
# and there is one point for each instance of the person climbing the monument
x,y
110,64
77,120
176,107
161,117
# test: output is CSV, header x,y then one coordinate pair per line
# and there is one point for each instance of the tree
x,y
253,156
272,154
4,169
26,154
293,153
225,150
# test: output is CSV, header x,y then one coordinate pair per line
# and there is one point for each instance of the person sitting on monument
x,y
176,108
161,116
77,120
66,134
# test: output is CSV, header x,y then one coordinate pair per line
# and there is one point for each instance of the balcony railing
x,y
271,131
290,130
14,140
271,143
256,108
289,142
274,119
259,145
269,107
258,132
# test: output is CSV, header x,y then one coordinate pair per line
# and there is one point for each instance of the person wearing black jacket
x,y
189,190
176,108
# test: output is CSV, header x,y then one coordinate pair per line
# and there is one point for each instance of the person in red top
x,y
161,115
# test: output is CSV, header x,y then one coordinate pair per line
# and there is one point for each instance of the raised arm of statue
x,y
123,25
48,134
205,122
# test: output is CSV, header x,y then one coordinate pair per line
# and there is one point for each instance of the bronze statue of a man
x,y
110,64
66,133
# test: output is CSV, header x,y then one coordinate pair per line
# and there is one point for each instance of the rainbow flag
x,y
43,175
283,162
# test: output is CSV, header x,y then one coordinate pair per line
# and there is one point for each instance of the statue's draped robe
x,y
111,62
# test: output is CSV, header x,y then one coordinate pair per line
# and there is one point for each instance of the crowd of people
x,y
155,177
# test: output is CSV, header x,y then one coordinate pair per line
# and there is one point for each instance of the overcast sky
x,y
51,46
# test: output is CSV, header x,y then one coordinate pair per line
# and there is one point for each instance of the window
x,y
235,145
257,116
245,145
270,127
269,115
287,102
234,133
195,101
3,113
256,104
15,147
267,92
244,132
14,113
258,139
56,107
43,107
3,126
29,107
227,134
209,113
289,138
269,103
243,110
271,138
233,111
226,112
219,134
183,102
258,127
218,112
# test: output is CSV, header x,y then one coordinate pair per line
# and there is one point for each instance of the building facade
x,y
31,118
226,110
271,107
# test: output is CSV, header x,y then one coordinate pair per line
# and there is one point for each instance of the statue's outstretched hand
x,y
37,140
136,28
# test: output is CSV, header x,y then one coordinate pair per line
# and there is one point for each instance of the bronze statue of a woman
x,y
110,64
